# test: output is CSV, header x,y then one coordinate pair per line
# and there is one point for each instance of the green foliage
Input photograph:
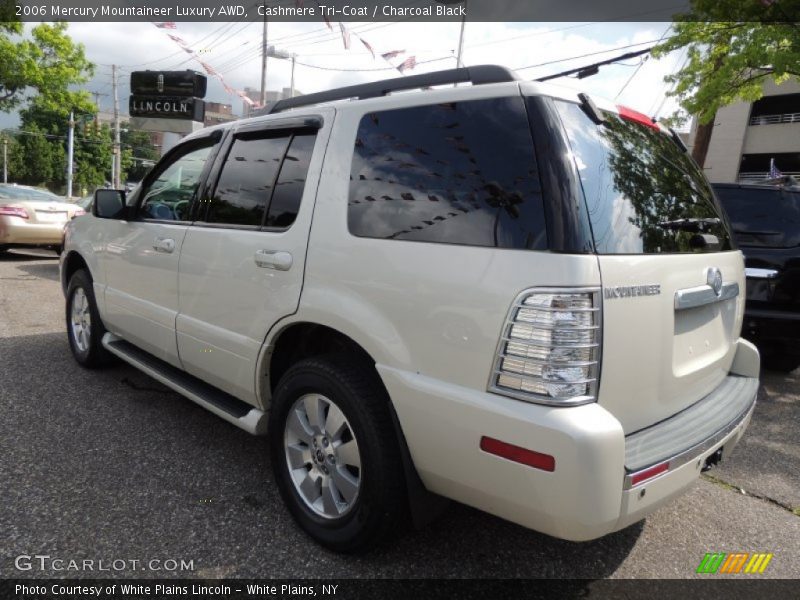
x,y
730,60
47,65
92,155
136,145
36,160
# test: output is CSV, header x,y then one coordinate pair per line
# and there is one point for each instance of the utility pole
x,y
70,152
459,56
5,159
97,106
264,59
115,173
291,85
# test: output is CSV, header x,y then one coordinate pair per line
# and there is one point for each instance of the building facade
x,y
749,137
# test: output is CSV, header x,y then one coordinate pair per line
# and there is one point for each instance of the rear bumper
x,y
583,498
16,231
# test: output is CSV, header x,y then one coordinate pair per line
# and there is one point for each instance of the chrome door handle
x,y
166,245
756,273
280,261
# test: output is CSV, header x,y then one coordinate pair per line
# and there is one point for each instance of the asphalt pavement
x,y
110,465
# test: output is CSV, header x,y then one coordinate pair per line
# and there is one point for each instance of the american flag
x,y
774,172
166,25
408,63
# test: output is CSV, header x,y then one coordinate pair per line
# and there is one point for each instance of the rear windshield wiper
x,y
693,224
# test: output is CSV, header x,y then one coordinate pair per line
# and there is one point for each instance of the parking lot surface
x,y
111,465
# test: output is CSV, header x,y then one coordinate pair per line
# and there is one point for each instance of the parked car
x,y
766,225
505,294
33,218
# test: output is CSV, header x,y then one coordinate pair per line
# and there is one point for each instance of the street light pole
x,y
115,173
70,152
264,59
5,160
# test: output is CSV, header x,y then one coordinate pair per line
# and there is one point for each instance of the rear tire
x,y
85,329
335,454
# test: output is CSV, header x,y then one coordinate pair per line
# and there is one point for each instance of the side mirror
x,y
109,204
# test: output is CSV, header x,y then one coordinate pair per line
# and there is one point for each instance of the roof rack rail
x,y
477,75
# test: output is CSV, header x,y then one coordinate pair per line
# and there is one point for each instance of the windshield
x,y
644,194
769,218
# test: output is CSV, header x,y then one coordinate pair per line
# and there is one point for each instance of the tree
x,y
46,65
34,159
136,145
733,47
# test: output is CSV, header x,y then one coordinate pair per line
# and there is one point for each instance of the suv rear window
x,y
643,193
762,217
456,173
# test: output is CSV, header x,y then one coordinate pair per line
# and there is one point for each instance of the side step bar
x,y
222,404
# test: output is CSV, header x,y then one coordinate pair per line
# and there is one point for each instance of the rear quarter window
x,y
455,173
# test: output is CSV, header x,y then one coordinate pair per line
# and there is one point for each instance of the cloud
x,y
234,49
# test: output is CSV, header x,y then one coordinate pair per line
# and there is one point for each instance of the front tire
x,y
335,453
85,329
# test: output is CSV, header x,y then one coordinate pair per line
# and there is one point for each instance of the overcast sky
x,y
233,49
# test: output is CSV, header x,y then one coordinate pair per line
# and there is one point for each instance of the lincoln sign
x,y
168,107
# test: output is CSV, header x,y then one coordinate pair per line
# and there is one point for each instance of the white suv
x,y
503,293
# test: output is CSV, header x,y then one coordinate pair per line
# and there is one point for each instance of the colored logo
x,y
735,562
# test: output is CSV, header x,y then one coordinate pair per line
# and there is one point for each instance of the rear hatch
x,y
671,308
766,226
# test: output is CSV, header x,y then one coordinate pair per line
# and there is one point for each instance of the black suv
x,y
766,225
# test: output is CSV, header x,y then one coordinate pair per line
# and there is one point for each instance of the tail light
x,y
79,212
549,352
9,210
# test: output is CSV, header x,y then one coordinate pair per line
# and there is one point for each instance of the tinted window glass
x,y
644,194
291,182
459,173
762,217
246,182
170,195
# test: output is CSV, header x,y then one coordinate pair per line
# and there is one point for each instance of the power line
x,y
560,60
641,64
591,69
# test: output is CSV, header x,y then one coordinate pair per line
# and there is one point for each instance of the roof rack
x,y
478,75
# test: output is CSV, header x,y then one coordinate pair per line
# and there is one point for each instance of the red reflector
x,y
649,473
537,460
634,115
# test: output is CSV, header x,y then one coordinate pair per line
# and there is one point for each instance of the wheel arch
x,y
72,262
303,339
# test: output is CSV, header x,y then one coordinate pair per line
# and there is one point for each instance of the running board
x,y
222,404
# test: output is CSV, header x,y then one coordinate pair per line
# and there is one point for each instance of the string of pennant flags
x,y
390,56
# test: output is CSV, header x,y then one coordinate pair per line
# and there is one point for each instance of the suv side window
x,y
169,196
262,180
457,173
247,180
291,182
